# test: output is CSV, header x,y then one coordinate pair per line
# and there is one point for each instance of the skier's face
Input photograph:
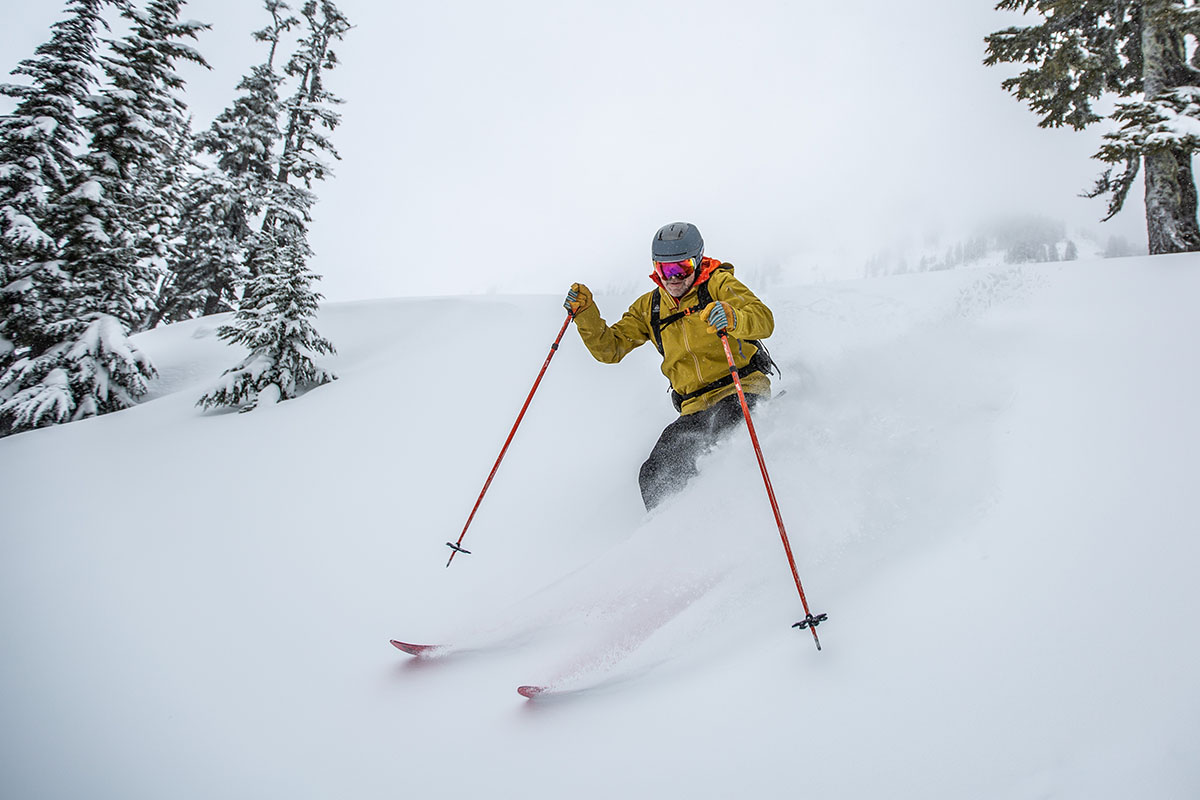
x,y
677,276
677,286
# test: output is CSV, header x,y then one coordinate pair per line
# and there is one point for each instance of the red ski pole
x,y
811,622
457,546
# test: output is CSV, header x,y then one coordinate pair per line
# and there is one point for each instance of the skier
x,y
696,297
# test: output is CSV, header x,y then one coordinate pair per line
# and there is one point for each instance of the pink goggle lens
x,y
675,269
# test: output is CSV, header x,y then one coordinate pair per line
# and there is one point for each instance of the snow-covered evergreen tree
x,y
310,108
211,262
275,318
117,226
274,324
94,369
1137,49
227,197
136,125
168,246
38,166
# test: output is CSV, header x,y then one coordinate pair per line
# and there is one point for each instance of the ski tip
x,y
530,691
414,649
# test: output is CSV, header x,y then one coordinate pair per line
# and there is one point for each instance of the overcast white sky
x,y
520,146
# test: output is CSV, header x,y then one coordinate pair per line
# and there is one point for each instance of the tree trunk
x,y
1171,221
212,303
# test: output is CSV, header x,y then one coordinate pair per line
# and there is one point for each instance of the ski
x,y
417,649
532,691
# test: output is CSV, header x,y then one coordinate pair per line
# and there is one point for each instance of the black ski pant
x,y
672,462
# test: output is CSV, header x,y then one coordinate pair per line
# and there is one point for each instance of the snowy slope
x,y
988,477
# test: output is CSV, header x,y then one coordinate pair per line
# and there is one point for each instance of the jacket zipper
x,y
687,344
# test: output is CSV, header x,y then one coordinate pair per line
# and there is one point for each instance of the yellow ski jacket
x,y
692,357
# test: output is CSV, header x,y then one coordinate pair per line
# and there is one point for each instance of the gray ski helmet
x,y
677,241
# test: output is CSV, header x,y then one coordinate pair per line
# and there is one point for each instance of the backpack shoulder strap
x,y
655,322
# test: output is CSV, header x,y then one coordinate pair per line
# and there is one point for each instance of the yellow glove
x,y
579,298
720,316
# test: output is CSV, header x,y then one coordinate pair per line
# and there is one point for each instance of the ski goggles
x,y
675,269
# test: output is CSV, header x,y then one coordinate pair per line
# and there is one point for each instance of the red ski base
x,y
414,649
531,691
